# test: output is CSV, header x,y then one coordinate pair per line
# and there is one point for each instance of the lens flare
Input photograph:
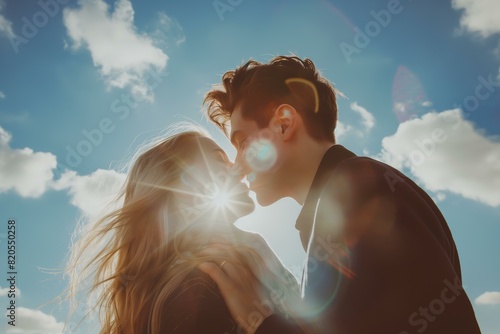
x,y
251,177
261,155
408,94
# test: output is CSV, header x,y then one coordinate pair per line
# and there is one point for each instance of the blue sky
x,y
422,87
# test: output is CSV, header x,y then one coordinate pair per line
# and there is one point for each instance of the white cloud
x,y
124,56
91,193
479,16
400,108
366,117
2,94
5,291
30,174
29,321
446,153
5,25
342,129
367,120
488,298
440,197
26,172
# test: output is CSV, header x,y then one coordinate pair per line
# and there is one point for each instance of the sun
x,y
220,198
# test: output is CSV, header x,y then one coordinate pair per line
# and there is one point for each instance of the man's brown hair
x,y
260,87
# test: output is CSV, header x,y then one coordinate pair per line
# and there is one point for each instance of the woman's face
x,y
212,189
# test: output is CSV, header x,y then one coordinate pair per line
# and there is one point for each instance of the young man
x,y
381,258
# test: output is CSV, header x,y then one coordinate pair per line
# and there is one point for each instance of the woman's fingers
x,y
233,271
216,273
226,278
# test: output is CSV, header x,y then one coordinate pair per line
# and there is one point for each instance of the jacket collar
x,y
333,156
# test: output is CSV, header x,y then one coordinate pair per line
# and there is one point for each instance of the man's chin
x,y
265,199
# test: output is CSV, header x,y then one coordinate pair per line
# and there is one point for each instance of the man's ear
x,y
285,121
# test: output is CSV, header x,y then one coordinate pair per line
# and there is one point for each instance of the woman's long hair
x,y
128,262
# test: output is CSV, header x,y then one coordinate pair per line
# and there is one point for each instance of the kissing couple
x,y
380,257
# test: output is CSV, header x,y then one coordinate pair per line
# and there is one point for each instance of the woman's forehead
x,y
208,150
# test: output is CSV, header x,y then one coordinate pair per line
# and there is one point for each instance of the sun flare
x,y
220,198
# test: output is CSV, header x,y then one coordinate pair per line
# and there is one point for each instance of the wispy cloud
x,y
5,25
342,129
122,54
479,16
2,95
366,117
489,298
168,31
446,153
24,171
367,122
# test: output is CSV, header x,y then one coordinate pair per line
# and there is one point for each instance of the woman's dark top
x,y
196,306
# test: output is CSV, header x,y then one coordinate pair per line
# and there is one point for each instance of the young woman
x,y
137,265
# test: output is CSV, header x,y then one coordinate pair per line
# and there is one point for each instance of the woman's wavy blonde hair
x,y
128,262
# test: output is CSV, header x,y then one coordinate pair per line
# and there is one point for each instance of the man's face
x,y
259,156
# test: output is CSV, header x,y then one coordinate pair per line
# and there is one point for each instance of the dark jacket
x,y
381,258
